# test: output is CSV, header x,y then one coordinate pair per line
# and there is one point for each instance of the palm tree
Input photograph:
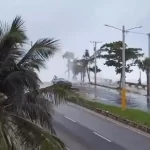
x,y
68,56
144,65
77,68
86,56
85,63
26,110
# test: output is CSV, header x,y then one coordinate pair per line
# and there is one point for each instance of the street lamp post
x,y
123,70
123,92
148,82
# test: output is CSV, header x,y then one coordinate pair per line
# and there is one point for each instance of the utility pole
x,y
148,72
123,91
123,70
95,81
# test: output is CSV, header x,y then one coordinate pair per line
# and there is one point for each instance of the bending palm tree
x,y
25,110
144,65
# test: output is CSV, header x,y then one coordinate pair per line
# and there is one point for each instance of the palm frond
x,y
61,94
30,135
4,28
39,52
18,27
11,40
38,110
8,138
18,81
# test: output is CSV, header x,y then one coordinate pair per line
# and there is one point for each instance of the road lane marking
x,y
114,121
102,137
69,118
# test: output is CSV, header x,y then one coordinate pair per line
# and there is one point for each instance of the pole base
x,y
123,97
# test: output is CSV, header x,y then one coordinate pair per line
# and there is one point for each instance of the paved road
x,y
84,130
109,96
78,137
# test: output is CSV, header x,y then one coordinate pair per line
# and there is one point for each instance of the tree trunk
x,y
88,73
81,76
68,69
148,85
120,83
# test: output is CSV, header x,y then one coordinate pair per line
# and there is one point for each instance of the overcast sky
x,y
77,22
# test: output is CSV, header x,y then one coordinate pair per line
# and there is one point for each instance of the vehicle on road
x,y
61,81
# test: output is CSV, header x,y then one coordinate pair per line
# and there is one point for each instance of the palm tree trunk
x,y
88,73
81,76
120,83
68,69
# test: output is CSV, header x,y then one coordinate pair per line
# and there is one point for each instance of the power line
x,y
136,32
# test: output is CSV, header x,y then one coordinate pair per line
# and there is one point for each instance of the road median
x,y
132,117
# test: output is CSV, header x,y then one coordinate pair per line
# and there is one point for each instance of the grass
x,y
135,115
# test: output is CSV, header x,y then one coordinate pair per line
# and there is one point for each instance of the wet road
x,y
78,137
110,96
82,129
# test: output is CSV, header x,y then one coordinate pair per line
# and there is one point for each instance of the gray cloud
x,y
75,23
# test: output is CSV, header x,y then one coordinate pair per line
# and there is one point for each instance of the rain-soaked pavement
x,y
109,96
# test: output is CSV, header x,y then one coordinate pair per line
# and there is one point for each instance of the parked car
x,y
62,81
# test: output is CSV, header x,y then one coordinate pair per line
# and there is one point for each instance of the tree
x,y
112,52
77,67
144,65
85,62
68,56
26,110
86,56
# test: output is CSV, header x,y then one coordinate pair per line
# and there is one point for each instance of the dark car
x,y
62,81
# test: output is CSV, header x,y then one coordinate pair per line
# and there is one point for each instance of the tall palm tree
x,y
86,56
85,61
78,68
68,56
144,65
26,110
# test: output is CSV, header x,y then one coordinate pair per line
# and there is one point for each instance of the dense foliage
x,y
26,110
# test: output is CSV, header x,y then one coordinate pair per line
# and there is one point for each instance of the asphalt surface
x,y
82,129
113,97
78,137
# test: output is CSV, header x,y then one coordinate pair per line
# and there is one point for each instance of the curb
x,y
117,118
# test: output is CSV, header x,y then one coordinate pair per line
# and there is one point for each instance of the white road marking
x,y
102,137
69,118
67,148
114,121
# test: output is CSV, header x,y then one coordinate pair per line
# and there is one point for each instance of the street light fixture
x,y
124,103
